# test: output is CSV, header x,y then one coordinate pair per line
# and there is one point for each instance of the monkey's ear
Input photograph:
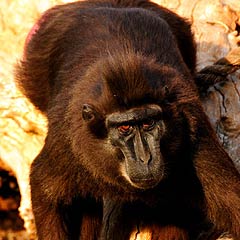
x,y
95,121
88,112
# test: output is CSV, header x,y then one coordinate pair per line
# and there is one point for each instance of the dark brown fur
x,y
100,53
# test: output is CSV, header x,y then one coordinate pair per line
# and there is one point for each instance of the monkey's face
x,y
136,133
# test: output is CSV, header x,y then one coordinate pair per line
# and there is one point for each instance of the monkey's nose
x,y
146,158
141,149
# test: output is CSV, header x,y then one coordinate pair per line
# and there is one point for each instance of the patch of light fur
x,y
144,234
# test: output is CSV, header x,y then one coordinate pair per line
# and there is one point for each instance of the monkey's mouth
x,y
144,178
144,183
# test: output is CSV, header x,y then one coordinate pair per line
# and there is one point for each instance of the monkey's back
x,y
57,50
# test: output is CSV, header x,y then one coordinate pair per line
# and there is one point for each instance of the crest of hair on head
x,y
128,77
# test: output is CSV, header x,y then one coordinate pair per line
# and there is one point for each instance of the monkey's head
x,y
136,133
126,120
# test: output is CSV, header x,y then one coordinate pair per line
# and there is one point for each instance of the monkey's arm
x,y
47,214
60,210
221,184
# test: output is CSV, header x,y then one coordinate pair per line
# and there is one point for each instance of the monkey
x,y
128,142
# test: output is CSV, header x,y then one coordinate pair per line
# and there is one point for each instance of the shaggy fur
x,y
116,55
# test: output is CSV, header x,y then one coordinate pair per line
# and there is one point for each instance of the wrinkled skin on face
x,y
137,134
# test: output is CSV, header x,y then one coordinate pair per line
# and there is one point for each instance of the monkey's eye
x,y
125,129
148,125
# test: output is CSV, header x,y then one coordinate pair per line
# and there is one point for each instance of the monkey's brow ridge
x,y
137,114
